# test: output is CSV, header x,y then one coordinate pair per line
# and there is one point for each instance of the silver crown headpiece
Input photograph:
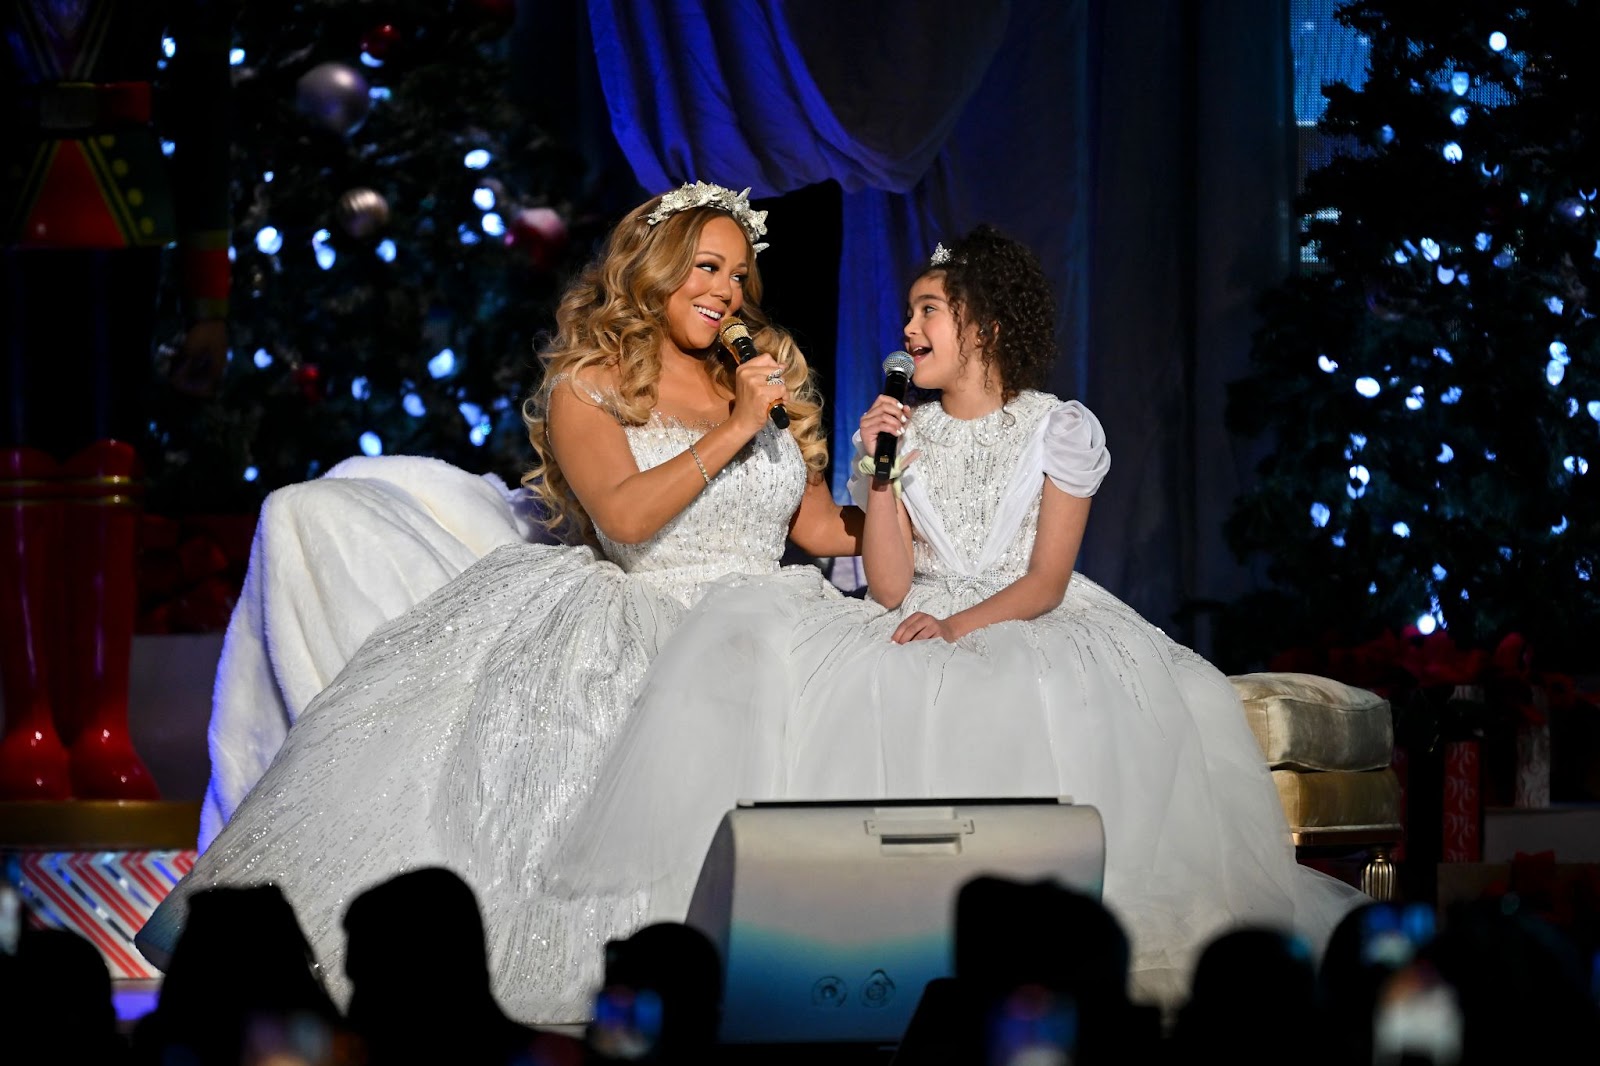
x,y
940,256
705,194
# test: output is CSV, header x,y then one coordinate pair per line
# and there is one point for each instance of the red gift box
x,y
1463,803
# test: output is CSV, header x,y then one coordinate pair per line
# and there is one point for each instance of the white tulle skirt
x,y
763,695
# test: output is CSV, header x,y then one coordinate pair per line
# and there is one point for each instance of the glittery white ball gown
x,y
1090,701
468,730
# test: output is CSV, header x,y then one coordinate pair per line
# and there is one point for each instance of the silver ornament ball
x,y
362,212
334,96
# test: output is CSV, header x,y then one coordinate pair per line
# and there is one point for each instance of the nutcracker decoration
x,y
90,195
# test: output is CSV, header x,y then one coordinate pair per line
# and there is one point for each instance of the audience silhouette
x,y
1366,950
1253,994
241,985
419,975
1041,977
662,999
55,1001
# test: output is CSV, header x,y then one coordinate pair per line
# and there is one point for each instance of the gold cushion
x,y
1341,799
1306,722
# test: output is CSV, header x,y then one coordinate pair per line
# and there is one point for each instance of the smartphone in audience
x,y
1417,1021
1033,1027
1392,935
627,1024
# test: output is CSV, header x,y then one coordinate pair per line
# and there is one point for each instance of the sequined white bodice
x,y
965,466
737,525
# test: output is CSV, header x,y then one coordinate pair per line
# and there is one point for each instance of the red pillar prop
x,y
99,590
33,762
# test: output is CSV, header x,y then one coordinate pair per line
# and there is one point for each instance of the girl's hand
x,y
754,394
920,626
886,415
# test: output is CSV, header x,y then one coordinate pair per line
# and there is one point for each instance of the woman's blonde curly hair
x,y
614,317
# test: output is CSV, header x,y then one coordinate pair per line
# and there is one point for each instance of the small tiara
x,y
705,194
940,256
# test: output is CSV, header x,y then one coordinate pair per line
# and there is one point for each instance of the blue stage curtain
x,y
779,95
1193,148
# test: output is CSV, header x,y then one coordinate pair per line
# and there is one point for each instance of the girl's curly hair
x,y
997,283
613,316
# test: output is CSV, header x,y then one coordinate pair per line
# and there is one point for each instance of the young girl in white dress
x,y
996,671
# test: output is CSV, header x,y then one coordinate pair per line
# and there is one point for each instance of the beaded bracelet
x,y
696,457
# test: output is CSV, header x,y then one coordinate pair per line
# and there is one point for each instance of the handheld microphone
x,y
897,370
736,338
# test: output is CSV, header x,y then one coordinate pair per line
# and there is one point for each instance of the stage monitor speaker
x,y
831,917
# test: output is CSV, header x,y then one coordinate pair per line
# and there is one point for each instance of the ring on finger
x,y
775,378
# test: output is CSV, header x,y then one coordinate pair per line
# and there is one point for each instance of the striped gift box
x,y
99,868
104,896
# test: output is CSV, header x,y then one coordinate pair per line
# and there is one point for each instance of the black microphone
x,y
897,370
736,338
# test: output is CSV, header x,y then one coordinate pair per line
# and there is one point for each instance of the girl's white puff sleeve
x,y
1075,454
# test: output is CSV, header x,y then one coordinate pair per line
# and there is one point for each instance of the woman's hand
x,y
920,626
758,385
886,415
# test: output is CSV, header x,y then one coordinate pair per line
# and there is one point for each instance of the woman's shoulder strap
x,y
588,384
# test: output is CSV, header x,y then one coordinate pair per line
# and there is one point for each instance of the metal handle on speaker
x,y
918,829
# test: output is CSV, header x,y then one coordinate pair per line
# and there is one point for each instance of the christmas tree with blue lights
x,y
401,230
1430,382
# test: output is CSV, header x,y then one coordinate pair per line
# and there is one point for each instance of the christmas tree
x,y
400,236
1430,383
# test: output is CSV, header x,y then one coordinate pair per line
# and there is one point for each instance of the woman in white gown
x,y
467,730
997,671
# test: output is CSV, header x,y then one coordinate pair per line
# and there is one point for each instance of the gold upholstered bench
x,y
1329,746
